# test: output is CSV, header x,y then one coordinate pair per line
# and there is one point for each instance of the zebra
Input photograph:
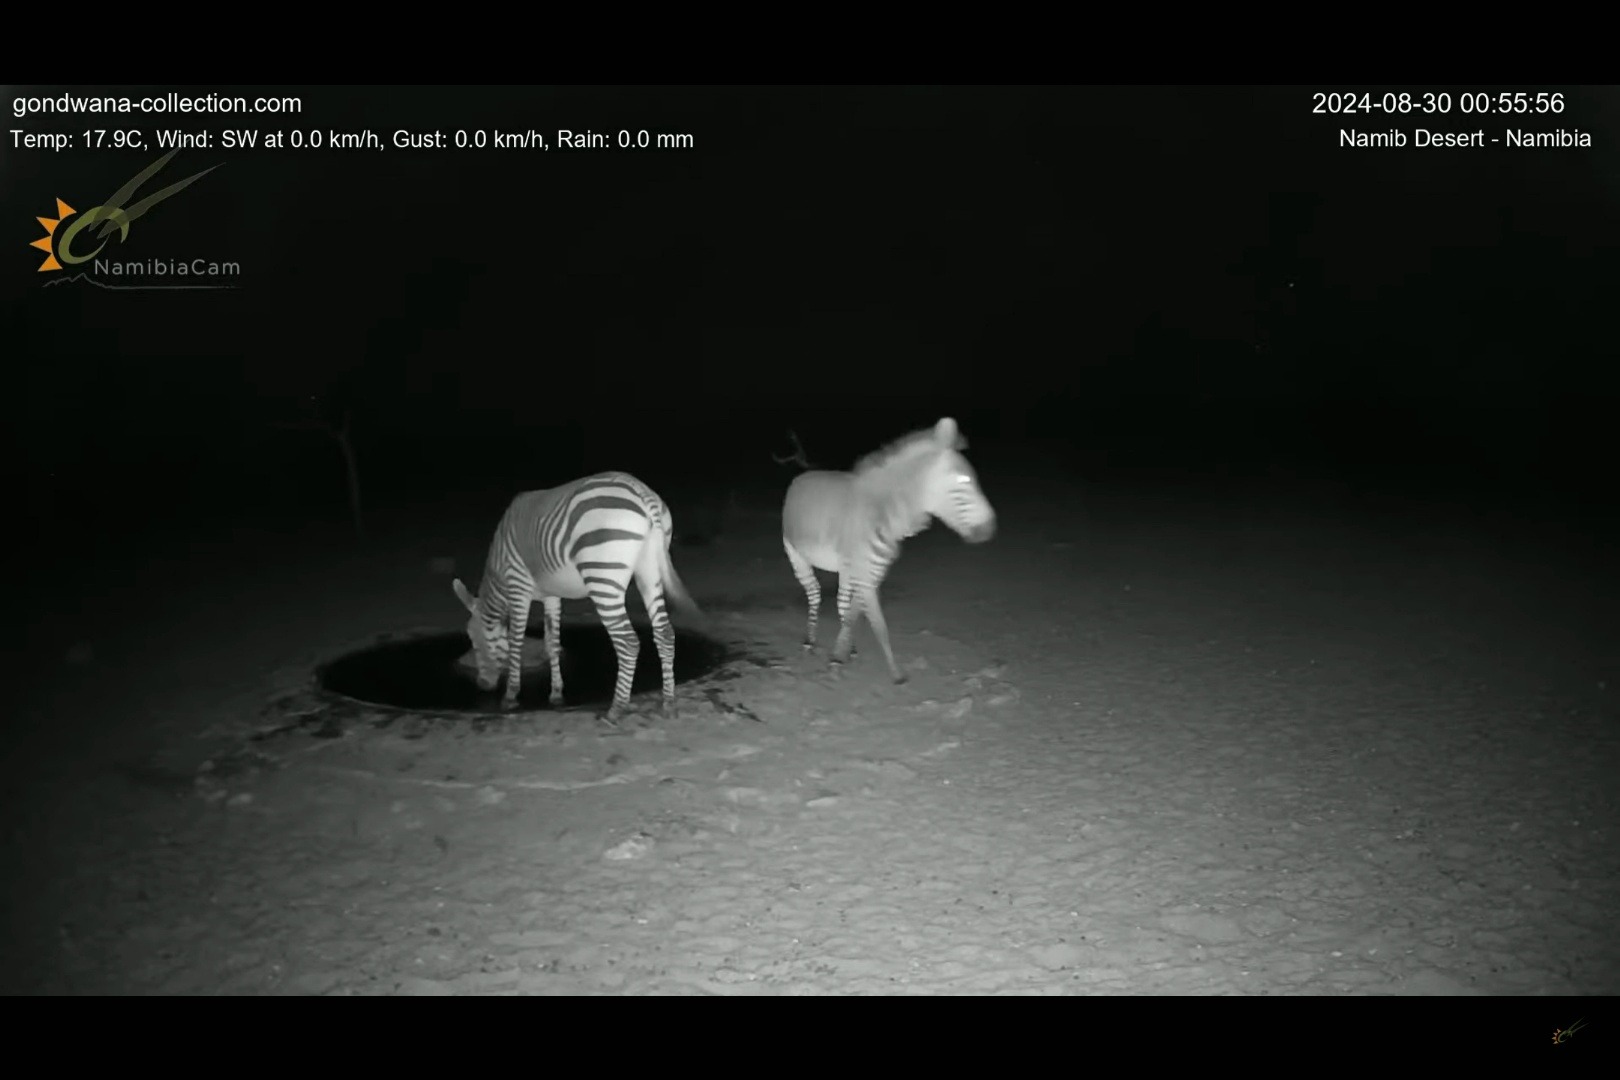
x,y
585,538
851,523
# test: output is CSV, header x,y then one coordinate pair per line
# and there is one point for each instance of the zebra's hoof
x,y
899,678
509,704
555,700
809,646
671,710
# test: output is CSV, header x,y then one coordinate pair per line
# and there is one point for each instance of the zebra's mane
x,y
889,478
906,450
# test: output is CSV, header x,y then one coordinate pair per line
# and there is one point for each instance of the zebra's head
x,y
950,488
488,638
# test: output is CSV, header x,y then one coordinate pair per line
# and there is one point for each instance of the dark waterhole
x,y
422,673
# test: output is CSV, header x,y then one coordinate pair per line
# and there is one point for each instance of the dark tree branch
x,y
797,457
340,434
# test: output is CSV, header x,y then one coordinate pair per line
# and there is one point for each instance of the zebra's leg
x,y
626,644
652,594
517,624
812,591
553,606
849,613
880,627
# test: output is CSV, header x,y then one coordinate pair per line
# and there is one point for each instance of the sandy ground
x,y
1154,747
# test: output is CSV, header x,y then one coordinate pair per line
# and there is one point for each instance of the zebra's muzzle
x,y
486,680
978,534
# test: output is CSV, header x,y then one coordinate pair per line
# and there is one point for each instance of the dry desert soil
x,y
1151,743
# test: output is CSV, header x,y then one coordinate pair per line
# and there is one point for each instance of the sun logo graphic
x,y
58,243
46,243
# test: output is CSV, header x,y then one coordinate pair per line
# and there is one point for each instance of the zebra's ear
x,y
948,436
464,596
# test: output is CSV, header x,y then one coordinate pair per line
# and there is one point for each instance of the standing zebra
x,y
851,523
585,538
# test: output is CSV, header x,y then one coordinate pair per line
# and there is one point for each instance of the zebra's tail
x,y
674,588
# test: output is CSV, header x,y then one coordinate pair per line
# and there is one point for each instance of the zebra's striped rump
x,y
852,523
587,538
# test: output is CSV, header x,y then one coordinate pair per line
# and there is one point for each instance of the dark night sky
x,y
1148,276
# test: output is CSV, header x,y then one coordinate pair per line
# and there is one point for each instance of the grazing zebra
x,y
851,523
585,538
